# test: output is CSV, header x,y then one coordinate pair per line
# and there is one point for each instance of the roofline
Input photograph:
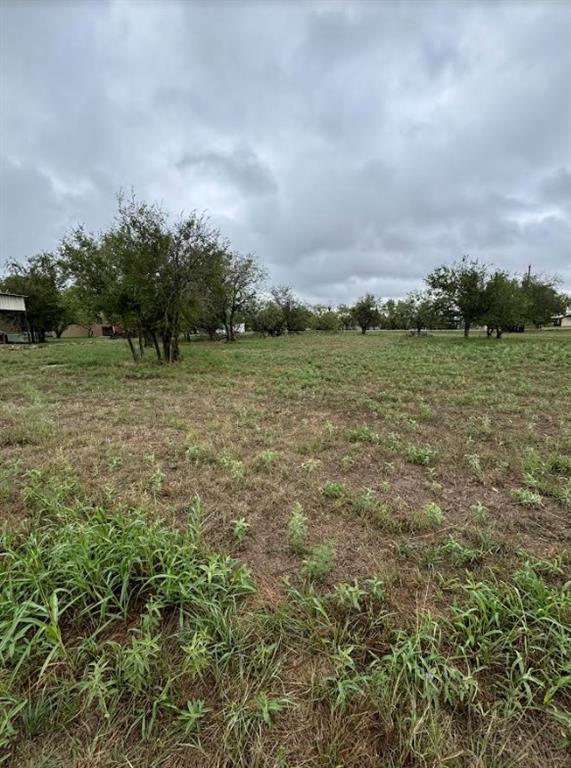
x,y
16,295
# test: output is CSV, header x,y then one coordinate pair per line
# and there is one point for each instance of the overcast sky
x,y
352,146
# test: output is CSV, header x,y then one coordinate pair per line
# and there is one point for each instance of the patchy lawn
x,y
396,515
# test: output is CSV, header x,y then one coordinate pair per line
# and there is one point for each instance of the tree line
x,y
164,279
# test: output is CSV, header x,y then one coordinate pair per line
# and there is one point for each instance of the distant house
x,y
75,331
13,324
563,321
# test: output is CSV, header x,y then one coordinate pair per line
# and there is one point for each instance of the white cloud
x,y
353,146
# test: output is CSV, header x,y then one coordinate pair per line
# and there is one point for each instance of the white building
x,y
12,317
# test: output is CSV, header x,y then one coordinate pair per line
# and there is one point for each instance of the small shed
x,y
563,321
12,317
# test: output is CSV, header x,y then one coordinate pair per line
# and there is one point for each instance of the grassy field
x,y
324,550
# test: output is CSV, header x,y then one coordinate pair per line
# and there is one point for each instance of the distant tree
x,y
366,312
460,289
205,309
506,304
78,311
419,311
41,281
396,314
544,302
388,315
267,317
295,314
323,318
241,277
345,317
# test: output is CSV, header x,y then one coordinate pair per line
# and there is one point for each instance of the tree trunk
x,y
466,329
363,329
156,346
132,348
175,352
129,340
166,347
499,332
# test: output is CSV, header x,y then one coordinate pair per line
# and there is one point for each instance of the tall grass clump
x,y
77,572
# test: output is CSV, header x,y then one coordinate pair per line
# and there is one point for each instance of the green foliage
x,y
419,310
349,595
324,319
197,653
94,570
458,553
143,271
190,719
267,459
319,562
363,434
480,512
280,314
460,290
267,318
429,516
527,498
233,466
505,302
197,454
297,529
366,312
240,528
41,281
543,301
333,490
420,454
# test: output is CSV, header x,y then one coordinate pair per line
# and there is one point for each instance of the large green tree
x,y
267,317
345,317
324,318
41,281
295,313
459,289
544,302
506,304
366,312
143,271
419,311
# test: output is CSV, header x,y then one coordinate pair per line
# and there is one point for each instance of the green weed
x,y
319,562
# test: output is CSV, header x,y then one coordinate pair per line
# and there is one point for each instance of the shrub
x,y
526,497
333,490
363,435
240,528
297,529
429,516
480,512
267,459
418,454
319,562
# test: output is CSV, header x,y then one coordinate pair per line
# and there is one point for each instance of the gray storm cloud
x,y
352,146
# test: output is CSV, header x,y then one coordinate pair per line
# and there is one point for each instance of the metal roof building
x,y
12,318
12,302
